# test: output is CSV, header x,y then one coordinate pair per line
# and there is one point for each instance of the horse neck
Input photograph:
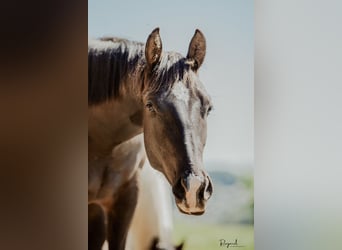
x,y
115,80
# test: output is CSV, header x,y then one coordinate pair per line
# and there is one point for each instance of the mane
x,y
112,60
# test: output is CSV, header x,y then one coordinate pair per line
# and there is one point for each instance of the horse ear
x,y
153,48
197,49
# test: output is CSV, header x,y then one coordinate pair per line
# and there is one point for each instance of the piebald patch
x,y
181,92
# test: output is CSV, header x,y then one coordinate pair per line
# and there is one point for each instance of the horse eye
x,y
149,106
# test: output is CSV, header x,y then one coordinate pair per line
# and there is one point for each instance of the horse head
x,y
175,120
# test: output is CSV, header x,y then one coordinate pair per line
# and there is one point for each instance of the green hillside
x,y
207,237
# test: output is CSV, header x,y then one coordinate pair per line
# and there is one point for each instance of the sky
x,y
228,68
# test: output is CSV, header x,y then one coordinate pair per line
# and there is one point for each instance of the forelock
x,y
172,68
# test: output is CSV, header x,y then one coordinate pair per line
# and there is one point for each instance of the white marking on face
x,y
194,183
181,92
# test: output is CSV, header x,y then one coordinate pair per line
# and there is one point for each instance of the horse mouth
x,y
183,208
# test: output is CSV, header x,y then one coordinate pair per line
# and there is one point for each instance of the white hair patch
x,y
181,92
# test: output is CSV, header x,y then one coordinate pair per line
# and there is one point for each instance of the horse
x,y
113,183
152,225
136,88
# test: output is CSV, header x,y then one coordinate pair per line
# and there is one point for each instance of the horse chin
x,y
183,208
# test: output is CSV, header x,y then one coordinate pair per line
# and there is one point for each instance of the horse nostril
x,y
185,184
208,189
179,189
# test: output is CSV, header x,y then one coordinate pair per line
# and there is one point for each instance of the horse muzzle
x,y
192,192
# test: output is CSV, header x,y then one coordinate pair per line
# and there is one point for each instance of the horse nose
x,y
192,192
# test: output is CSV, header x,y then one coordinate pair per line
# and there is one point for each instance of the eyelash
x,y
149,106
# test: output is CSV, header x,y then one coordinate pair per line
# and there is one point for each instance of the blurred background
x,y
228,75
298,121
